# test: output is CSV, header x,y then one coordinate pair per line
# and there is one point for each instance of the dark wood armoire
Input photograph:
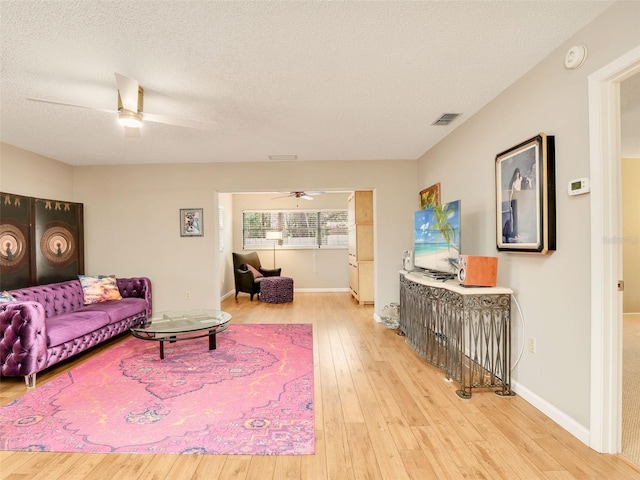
x,y
41,241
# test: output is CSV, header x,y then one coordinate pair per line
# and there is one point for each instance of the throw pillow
x,y
99,288
6,297
256,273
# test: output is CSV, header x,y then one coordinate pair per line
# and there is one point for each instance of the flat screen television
x,y
436,238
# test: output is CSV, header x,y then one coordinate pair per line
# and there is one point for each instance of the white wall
x,y
553,290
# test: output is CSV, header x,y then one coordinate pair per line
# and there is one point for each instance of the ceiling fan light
x,y
127,118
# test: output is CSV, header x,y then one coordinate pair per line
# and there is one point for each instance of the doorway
x,y
606,253
630,146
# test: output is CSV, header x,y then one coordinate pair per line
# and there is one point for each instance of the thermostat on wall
x,y
578,186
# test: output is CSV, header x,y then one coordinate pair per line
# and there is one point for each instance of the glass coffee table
x,y
176,325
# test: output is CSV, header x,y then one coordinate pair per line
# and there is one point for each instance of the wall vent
x,y
446,119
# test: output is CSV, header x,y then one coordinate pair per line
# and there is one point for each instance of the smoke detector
x,y
575,57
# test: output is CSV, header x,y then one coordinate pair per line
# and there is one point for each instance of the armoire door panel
x,y
58,241
15,254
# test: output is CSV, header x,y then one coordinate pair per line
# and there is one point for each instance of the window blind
x,y
300,228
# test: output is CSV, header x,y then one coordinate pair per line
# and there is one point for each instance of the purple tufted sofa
x,y
50,323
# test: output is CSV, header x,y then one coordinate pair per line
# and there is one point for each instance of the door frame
x,y
605,431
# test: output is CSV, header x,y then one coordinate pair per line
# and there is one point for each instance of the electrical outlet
x,y
187,294
532,344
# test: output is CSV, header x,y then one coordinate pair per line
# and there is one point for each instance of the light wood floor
x,y
381,413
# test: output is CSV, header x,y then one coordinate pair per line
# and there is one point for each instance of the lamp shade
x,y
274,236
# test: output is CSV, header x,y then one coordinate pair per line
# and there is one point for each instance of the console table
x,y
464,331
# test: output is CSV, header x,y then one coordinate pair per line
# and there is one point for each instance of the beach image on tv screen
x,y
437,237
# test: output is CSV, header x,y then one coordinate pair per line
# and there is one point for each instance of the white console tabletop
x,y
454,285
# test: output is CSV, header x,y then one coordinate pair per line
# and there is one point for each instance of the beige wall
x,y
32,175
131,216
631,234
131,219
554,290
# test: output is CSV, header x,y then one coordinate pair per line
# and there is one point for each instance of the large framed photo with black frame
x,y
526,197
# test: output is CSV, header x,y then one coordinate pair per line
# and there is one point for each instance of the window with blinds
x,y
300,228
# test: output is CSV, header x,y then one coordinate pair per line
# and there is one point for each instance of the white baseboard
x,y
569,424
306,290
319,290
228,294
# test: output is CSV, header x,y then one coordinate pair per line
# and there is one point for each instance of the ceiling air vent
x,y
446,119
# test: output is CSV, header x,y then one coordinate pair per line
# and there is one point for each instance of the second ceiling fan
x,y
305,195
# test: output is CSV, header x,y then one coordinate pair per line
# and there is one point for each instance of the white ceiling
x,y
339,80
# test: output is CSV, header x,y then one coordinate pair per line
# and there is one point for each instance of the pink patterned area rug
x,y
253,395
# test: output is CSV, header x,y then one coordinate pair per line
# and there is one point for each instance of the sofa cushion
x,y
6,297
118,310
68,326
99,288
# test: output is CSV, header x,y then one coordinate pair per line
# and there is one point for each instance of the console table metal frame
x,y
464,331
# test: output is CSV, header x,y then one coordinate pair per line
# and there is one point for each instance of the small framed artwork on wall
x,y
191,224
430,197
525,197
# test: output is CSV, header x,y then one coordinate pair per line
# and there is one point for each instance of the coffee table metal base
x,y
173,339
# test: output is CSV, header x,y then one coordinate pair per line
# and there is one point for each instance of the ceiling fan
x,y
305,195
130,109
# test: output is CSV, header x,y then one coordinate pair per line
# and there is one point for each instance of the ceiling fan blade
x,y
306,197
180,121
128,88
54,102
283,196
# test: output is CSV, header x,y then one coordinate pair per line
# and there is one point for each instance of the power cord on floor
x,y
523,331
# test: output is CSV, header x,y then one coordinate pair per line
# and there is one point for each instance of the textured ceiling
x,y
338,80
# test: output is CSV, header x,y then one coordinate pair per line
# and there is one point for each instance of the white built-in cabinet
x,y
360,219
